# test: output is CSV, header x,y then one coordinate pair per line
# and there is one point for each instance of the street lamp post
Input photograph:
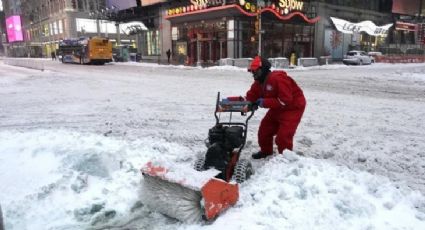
x,y
118,33
41,33
259,34
50,26
260,4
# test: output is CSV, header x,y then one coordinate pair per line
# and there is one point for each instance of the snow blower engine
x,y
211,186
224,138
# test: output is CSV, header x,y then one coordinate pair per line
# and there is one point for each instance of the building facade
x,y
201,32
408,34
331,42
46,22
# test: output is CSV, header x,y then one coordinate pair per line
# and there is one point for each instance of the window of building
x,y
55,28
51,29
92,7
46,30
74,4
60,27
81,5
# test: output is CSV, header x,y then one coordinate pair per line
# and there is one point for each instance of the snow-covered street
x,y
73,138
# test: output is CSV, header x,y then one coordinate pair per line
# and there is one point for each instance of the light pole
x,y
259,33
50,26
260,4
41,33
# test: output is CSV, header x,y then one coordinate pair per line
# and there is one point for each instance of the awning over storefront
x,y
405,26
364,26
192,14
131,28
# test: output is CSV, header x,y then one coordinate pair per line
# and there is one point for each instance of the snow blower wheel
x,y
243,171
199,164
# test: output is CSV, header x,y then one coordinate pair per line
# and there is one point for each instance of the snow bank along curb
x,y
27,63
279,63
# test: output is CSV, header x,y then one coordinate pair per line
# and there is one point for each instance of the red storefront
x,y
203,32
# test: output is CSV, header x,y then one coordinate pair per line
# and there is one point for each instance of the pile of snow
x,y
56,179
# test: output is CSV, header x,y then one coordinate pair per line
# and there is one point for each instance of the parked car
x,y
356,57
373,55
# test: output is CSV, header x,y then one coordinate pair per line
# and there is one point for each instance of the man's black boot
x,y
260,155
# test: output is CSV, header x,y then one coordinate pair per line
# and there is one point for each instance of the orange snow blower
x,y
211,186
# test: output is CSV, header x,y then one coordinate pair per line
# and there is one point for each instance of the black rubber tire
x,y
199,164
243,171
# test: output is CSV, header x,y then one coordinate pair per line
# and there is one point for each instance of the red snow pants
x,y
282,124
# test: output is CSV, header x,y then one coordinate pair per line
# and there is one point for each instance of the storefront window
x,y
206,40
181,48
152,40
282,39
248,40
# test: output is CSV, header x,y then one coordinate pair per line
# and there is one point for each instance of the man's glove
x,y
260,102
252,107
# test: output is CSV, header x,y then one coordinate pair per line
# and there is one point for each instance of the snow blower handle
x,y
236,104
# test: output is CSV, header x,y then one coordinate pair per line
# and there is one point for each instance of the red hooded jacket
x,y
279,91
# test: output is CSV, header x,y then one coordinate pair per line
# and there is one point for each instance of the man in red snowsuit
x,y
286,103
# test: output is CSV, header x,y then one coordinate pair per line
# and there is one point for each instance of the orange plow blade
x,y
186,194
218,196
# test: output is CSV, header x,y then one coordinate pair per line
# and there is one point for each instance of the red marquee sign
x,y
282,9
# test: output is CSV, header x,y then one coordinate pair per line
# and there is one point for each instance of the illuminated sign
x,y
364,26
282,7
291,5
14,29
199,2
405,26
195,5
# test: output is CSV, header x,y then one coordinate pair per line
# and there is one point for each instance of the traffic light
x,y
74,4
